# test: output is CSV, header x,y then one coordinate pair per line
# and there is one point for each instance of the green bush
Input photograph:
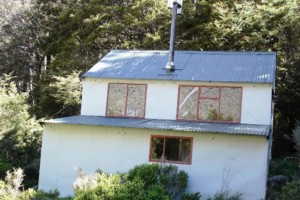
x,y
157,191
147,173
31,194
285,166
11,189
112,187
143,182
174,181
191,196
226,195
291,191
4,166
288,167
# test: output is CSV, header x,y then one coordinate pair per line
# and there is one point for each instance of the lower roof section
x,y
158,124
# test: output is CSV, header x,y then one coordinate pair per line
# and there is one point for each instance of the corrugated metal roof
x,y
242,67
240,129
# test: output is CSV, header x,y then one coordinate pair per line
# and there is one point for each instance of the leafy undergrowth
x,y
284,179
143,182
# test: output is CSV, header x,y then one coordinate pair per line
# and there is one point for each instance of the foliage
x,y
81,31
13,181
145,172
288,168
85,182
191,196
67,89
4,166
147,181
20,44
174,181
12,189
111,187
62,92
226,195
291,191
20,133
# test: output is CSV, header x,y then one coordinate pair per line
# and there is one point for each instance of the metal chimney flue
x,y
175,10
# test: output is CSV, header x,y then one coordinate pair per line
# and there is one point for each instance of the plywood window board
x,y
209,103
126,100
187,104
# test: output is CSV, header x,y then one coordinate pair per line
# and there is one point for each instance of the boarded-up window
x,y
136,100
187,104
210,92
208,109
209,103
126,100
116,101
230,103
212,104
171,149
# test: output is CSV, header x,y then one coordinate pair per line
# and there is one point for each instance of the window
x,y
126,100
209,103
171,149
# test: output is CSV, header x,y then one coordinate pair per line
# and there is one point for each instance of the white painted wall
x,y
162,97
94,97
240,158
161,100
257,104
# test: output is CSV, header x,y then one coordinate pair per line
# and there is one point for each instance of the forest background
x,y
45,46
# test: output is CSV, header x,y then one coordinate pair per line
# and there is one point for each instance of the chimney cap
x,y
170,65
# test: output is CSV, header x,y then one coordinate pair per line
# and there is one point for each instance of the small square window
x,y
171,149
126,100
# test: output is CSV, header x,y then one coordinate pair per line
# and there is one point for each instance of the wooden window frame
x,y
164,146
126,104
198,104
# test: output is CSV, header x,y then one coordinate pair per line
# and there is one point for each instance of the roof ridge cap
x,y
194,51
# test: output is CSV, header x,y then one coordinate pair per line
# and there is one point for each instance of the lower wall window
x,y
171,149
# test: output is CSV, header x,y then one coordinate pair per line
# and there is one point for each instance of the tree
x,y
63,93
20,133
21,40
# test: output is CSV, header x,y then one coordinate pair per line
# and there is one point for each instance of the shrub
x,y
13,181
157,191
174,181
226,195
288,166
144,182
11,189
290,191
191,196
85,182
111,187
4,166
148,173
